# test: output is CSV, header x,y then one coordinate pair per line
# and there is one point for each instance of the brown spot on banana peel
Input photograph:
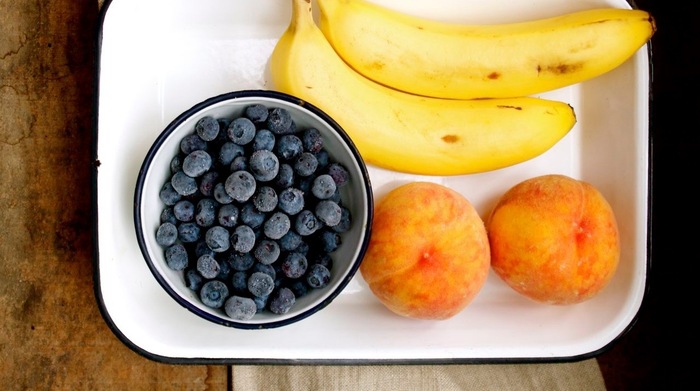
x,y
652,21
559,69
509,107
494,76
378,65
450,138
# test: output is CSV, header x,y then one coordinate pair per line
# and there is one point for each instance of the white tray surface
x,y
158,58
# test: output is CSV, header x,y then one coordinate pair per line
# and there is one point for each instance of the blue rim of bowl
x,y
170,128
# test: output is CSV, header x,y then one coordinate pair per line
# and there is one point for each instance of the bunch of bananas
x,y
405,88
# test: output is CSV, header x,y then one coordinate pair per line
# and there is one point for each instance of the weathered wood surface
x,y
52,335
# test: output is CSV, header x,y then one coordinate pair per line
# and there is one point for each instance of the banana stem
x,y
301,13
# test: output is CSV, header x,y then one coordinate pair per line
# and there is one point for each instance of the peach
x,y
554,239
428,255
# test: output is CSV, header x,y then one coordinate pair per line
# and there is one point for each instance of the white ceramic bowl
x,y
356,196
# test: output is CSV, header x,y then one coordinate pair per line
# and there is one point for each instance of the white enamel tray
x,y
160,57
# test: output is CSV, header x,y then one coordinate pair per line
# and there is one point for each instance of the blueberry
x,y
323,259
207,183
227,215
188,232
306,223
256,112
328,212
168,216
277,225
336,197
169,195
267,269
220,194
241,131
289,147
285,176
323,159
252,173
202,248
191,143
251,216
240,186
305,164
304,184
318,276
239,163
218,239
264,139
323,187
312,140
280,278
184,210
225,270
208,266
239,283
207,128
265,199
260,284
241,261
205,212
291,200
228,152
176,257
176,164
340,174
166,235
260,302
345,221
299,287
290,241
243,239
303,248
194,280
224,123
267,251
196,163
213,293
264,165
184,184
282,301
240,308
280,121
329,240
294,265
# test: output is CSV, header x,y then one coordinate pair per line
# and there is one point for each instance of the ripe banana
x,y
410,133
446,60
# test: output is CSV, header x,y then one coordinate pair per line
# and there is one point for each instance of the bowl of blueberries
x,y
253,209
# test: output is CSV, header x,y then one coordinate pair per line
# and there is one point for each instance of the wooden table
x,y
52,334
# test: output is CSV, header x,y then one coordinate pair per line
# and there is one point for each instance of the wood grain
x,y
52,335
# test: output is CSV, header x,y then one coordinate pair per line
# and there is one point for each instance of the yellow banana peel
x,y
406,132
448,60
